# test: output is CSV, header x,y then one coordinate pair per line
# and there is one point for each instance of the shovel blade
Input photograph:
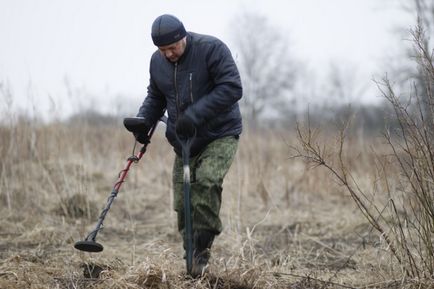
x,y
88,246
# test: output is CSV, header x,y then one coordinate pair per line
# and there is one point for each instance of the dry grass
x,y
285,226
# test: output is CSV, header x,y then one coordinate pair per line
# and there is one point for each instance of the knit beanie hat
x,y
166,30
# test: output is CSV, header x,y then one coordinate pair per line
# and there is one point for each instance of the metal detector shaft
x,y
89,244
115,192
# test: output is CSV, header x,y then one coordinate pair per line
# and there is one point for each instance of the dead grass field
x,y
285,225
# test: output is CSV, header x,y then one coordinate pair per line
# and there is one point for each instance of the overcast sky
x,y
102,47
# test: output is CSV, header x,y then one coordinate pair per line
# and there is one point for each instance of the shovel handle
x,y
186,144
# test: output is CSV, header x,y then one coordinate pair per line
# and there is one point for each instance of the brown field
x,y
285,225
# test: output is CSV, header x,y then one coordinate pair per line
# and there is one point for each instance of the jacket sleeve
x,y
227,86
154,105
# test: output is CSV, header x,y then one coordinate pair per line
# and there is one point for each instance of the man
x,y
195,79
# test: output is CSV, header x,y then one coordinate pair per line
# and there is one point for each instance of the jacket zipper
x,y
176,89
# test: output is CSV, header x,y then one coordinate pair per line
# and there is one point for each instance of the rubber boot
x,y
202,242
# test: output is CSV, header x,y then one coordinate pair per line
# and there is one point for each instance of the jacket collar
x,y
187,48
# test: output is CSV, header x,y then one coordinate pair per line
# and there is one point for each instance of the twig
x,y
9,273
311,278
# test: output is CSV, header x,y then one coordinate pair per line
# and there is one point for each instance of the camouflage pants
x,y
207,171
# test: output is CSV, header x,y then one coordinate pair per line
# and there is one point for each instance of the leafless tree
x,y
266,65
422,49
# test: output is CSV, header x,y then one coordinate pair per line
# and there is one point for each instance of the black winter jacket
x,y
204,84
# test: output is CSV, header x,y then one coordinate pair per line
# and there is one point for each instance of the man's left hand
x,y
185,127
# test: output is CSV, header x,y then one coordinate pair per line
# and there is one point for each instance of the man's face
x,y
173,51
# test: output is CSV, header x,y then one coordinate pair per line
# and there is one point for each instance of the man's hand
x,y
140,127
185,127
141,137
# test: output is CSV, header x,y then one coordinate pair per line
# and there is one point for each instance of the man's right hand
x,y
141,137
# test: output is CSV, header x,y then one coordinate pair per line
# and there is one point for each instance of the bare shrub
x,y
404,216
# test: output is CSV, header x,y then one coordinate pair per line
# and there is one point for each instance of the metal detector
x,y
132,124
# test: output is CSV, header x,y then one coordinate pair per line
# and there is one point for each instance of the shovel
x,y
186,145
